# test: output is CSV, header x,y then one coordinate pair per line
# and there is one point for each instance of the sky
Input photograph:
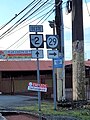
x,y
8,9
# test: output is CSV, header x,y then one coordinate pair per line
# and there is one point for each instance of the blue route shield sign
x,y
58,62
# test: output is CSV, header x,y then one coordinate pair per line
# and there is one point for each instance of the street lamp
x,y
52,25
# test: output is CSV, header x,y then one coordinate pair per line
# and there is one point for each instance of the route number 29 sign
x,y
52,41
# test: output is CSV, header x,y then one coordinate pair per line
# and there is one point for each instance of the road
x,y
8,101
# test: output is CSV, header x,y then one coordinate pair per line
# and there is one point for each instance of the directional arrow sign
x,y
37,54
52,54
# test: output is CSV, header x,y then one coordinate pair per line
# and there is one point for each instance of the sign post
x,y
36,41
38,79
52,42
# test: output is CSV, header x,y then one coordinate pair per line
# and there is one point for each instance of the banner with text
x,y
15,54
37,87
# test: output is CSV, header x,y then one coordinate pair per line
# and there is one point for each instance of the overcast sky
x,y
8,9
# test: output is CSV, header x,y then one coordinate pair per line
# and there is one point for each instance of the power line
x,y
14,26
47,17
52,12
16,15
19,20
32,21
8,31
18,45
34,11
17,41
23,36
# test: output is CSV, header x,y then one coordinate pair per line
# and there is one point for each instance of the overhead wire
x,y
13,27
31,21
33,12
16,15
53,11
47,17
22,42
17,41
25,34
26,38
21,37
38,22
27,24
19,20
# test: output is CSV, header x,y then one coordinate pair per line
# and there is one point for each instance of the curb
x,y
2,117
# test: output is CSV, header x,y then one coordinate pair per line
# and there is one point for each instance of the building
x,y
15,76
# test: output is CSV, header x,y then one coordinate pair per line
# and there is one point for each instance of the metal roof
x,y
30,65
24,65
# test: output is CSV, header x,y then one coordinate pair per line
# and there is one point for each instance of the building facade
x,y
15,76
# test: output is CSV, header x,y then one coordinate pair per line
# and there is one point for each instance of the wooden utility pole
x,y
60,33
78,51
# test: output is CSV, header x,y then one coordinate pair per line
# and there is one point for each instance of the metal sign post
x,y
52,42
36,41
54,86
38,79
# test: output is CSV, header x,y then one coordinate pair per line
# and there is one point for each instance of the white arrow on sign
x,y
37,54
52,54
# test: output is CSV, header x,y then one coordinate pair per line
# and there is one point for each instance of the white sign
x,y
37,54
52,54
35,28
51,41
36,41
37,87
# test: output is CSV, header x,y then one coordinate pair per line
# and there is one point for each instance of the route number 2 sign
x,y
36,40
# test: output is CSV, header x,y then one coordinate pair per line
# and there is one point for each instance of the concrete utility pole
x,y
60,33
78,51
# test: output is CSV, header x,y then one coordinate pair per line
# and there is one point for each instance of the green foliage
x,y
47,108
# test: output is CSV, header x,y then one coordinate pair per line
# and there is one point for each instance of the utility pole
x,y
78,51
60,33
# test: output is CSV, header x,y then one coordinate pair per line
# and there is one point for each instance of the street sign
x,y
58,62
52,41
36,40
37,87
37,54
52,54
35,28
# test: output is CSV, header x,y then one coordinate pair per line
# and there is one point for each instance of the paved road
x,y
7,101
